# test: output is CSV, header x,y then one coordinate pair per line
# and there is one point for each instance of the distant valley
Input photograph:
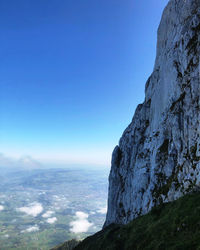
x,y
42,208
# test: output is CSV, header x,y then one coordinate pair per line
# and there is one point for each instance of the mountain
x,y
157,160
153,230
158,157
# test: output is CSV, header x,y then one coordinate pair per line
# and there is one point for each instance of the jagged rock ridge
x,y
158,157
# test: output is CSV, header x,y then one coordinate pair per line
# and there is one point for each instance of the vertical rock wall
x,y
158,157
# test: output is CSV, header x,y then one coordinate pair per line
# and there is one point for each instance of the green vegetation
x,y
174,225
68,245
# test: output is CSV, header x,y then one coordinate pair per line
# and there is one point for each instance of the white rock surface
x,y
158,157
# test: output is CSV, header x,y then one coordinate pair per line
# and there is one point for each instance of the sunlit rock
x,y
158,157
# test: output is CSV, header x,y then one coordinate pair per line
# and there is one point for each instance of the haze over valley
x,y
40,208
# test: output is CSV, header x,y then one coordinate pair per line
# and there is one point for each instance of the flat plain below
x,y
42,208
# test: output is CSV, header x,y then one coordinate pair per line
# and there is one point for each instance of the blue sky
x,y
71,75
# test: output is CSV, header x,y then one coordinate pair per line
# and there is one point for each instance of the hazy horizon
x,y
29,163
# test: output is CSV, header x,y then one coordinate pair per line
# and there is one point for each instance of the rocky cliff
x,y
158,157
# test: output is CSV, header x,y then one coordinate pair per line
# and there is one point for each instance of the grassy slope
x,y
68,245
175,225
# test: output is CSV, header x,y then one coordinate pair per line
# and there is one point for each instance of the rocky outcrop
x,y
158,157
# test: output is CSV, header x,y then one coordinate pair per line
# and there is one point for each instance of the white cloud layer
x,y
1,207
28,162
102,210
81,224
51,220
6,161
48,214
32,209
25,162
31,229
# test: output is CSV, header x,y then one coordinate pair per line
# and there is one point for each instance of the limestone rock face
x,y
158,157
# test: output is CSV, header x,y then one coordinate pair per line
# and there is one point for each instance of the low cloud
x,y
1,207
57,207
81,224
32,209
28,162
51,220
31,229
6,161
25,162
48,214
102,210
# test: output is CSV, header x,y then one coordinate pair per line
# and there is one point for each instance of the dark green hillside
x,y
174,225
68,245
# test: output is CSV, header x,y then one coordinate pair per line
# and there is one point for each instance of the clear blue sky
x,y
71,75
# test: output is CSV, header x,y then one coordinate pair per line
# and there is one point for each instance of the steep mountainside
x,y
158,157
171,226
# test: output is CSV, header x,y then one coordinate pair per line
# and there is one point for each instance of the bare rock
x,y
158,157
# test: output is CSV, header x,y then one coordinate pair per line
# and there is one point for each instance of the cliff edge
x,y
158,156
